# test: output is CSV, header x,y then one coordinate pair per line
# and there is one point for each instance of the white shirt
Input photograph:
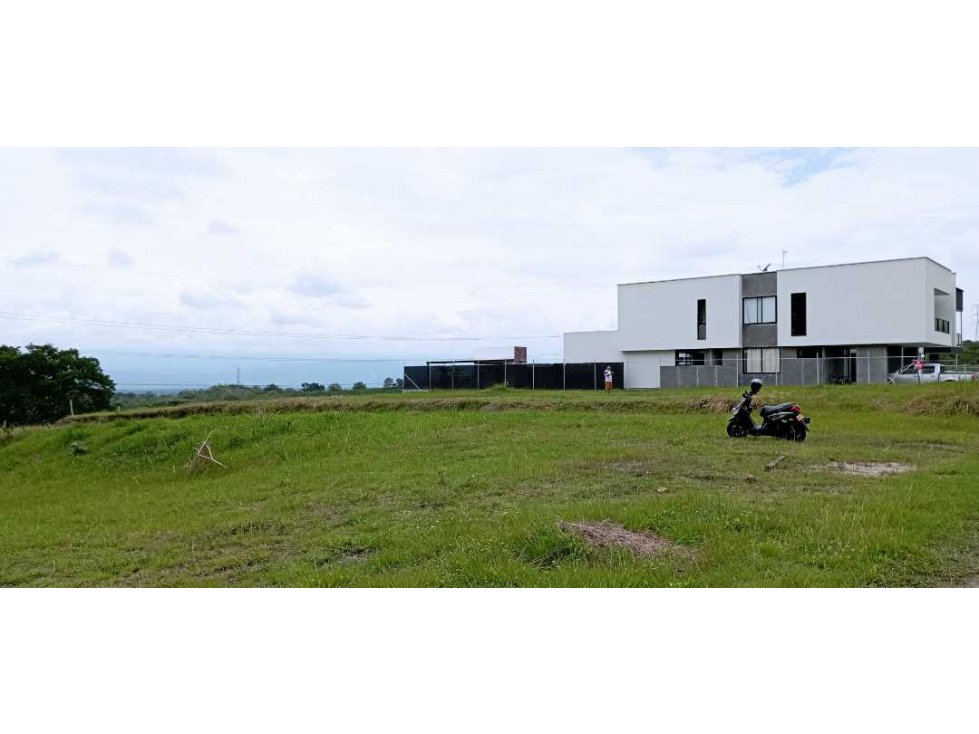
x,y
608,375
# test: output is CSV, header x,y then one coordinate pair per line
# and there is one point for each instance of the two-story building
x,y
836,323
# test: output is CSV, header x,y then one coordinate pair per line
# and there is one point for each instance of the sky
x,y
336,265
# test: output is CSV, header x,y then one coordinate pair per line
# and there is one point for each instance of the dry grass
x,y
610,535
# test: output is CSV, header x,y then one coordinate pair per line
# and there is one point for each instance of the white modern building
x,y
835,323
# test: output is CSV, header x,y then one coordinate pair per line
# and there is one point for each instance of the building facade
x,y
838,323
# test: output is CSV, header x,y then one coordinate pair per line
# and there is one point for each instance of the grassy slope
x,y
406,491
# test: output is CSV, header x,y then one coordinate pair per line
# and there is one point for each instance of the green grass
x,y
467,490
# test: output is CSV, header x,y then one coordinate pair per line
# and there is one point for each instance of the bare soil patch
x,y
869,468
608,534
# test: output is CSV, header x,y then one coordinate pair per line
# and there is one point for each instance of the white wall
x,y
942,307
592,346
869,303
642,368
663,315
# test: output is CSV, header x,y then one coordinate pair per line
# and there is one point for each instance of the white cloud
x,y
34,258
219,228
119,259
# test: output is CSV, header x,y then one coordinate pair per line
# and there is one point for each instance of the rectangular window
x,y
798,314
702,319
684,359
758,361
759,310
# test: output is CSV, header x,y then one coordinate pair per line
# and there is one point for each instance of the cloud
x,y
35,257
315,286
205,300
119,214
119,259
219,228
351,302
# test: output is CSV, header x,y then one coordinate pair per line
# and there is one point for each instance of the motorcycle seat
x,y
771,409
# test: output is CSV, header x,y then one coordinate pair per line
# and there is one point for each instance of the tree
x,y
359,386
42,384
335,387
400,383
970,352
389,382
312,387
272,388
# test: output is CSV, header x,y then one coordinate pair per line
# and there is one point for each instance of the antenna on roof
x,y
764,269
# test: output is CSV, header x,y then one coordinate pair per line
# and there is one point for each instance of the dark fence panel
x,y
551,376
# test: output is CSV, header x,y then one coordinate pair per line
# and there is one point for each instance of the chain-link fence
x,y
645,372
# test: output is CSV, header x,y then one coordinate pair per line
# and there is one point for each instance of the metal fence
x,y
652,373
532,376
841,370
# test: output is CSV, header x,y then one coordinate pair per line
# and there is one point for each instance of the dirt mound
x,y
869,468
608,534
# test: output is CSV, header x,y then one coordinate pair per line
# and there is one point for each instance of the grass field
x,y
468,489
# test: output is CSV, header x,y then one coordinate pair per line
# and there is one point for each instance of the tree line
x,y
42,384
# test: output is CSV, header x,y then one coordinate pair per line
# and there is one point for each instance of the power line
x,y
256,358
257,332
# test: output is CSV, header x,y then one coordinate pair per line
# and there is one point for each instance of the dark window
x,y
702,319
942,325
798,314
684,359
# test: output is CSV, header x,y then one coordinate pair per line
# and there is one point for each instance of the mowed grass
x,y
468,490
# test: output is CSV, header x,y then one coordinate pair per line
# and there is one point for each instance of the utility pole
x,y
975,321
783,258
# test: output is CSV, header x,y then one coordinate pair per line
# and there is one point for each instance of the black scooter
x,y
783,421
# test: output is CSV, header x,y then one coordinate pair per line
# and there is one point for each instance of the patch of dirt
x,y
323,511
869,468
972,583
608,534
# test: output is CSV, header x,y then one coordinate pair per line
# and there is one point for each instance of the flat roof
x,y
808,267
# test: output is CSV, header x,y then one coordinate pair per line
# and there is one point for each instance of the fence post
x,y
453,375
429,375
595,375
533,374
504,373
564,375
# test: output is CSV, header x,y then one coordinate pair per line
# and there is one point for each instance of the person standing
x,y
608,378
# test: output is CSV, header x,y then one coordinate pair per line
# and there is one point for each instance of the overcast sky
x,y
503,245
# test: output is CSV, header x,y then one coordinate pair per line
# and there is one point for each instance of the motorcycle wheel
x,y
735,431
792,432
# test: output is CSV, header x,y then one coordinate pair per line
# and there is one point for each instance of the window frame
x,y
761,360
701,319
799,316
759,310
